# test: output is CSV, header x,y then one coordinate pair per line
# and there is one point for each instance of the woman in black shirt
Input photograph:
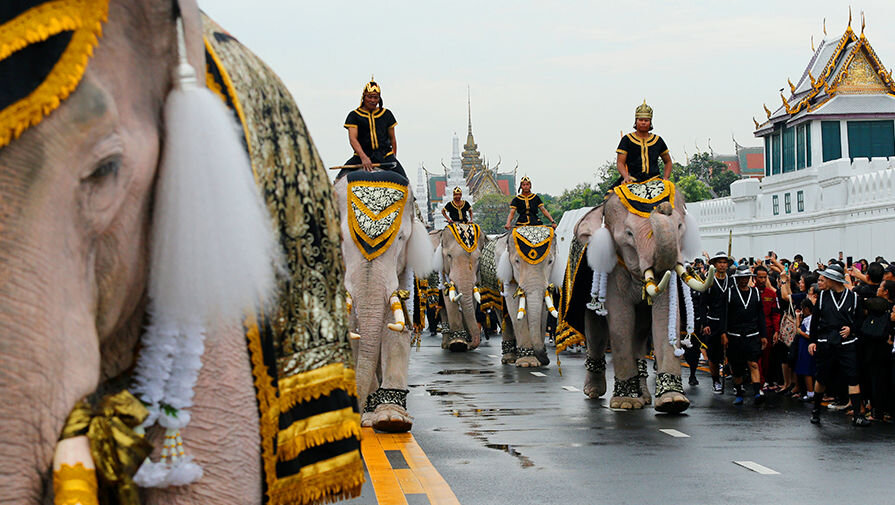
x,y
527,205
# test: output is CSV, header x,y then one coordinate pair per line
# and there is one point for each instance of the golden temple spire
x,y
766,110
469,110
862,23
812,44
849,19
825,27
756,123
791,85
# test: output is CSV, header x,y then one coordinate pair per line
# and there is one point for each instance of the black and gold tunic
x,y
642,155
458,213
527,208
372,130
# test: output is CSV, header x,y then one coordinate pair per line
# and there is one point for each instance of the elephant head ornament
x,y
643,248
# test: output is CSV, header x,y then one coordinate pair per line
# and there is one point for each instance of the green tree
x,y
694,189
584,194
490,212
721,180
607,174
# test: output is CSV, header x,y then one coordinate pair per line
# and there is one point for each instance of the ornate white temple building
x,y
829,175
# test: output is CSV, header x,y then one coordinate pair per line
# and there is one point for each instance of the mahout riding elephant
x,y
115,227
384,245
647,236
524,261
459,247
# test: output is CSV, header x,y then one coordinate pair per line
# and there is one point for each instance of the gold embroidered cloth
x,y
533,242
376,202
642,197
466,234
305,386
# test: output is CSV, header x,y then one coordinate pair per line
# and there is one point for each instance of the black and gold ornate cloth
x,y
574,295
490,287
300,353
376,202
467,235
642,155
527,208
458,213
533,242
642,197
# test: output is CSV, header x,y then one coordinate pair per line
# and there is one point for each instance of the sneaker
x,y
693,381
860,421
815,416
738,400
759,399
717,388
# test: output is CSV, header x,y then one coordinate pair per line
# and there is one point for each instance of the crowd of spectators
x,y
789,360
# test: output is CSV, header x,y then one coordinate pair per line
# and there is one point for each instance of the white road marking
x,y
571,388
539,374
755,467
493,356
675,433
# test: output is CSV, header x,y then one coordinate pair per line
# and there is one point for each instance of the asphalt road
x,y
498,434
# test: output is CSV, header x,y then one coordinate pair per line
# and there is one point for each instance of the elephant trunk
x,y
666,246
534,312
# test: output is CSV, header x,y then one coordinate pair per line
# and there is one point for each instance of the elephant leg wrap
x,y
524,352
595,365
508,347
629,388
641,368
666,383
462,334
386,396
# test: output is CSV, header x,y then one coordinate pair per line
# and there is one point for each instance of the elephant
x,y
88,179
384,246
459,247
647,236
524,260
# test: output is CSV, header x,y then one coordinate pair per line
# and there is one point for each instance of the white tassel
x,y
520,313
673,316
688,306
476,294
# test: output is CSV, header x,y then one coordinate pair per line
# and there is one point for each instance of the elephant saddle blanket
x,y
490,288
376,202
574,295
299,348
467,235
642,197
533,242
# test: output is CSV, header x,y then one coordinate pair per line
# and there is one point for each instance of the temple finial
x,y
469,109
766,110
791,85
825,27
756,123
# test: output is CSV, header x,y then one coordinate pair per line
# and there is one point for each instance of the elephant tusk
x,y
548,299
521,312
693,282
653,289
353,336
663,284
476,294
399,323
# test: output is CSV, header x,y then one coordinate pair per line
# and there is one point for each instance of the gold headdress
x,y
524,179
643,111
458,190
47,46
372,87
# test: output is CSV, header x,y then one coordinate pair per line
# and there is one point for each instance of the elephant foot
x,y
672,402
542,356
366,420
528,362
594,384
391,418
508,359
644,392
458,345
626,403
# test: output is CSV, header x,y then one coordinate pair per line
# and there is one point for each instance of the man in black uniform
x,y
711,315
639,151
371,133
457,210
527,205
746,333
833,336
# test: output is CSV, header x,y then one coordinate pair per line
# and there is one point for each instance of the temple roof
x,y
843,77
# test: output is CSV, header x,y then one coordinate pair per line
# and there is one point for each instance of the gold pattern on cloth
x,y
34,28
533,242
302,352
116,449
74,485
567,334
490,287
467,235
642,197
375,209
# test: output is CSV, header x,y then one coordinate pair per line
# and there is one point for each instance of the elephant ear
x,y
588,224
419,250
691,243
504,268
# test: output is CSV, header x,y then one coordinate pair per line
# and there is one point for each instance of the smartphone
x,y
770,254
848,261
751,260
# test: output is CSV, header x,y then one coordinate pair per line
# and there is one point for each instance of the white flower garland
x,y
673,315
691,324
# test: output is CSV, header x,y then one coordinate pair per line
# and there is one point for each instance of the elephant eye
x,y
107,167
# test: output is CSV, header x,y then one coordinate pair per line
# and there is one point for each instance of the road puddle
x,y
466,371
523,460
476,412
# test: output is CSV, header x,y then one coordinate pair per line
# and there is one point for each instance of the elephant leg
x,y
508,341
597,334
390,412
525,349
670,395
621,318
644,335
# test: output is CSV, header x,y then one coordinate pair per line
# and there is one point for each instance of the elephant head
x,y
525,259
384,246
457,257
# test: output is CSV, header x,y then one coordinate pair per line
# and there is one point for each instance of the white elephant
x,y
459,248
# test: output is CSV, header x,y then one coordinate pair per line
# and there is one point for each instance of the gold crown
x,y
643,111
524,179
458,190
64,59
372,87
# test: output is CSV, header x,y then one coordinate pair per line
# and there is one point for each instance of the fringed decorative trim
x,y
317,430
386,396
315,383
267,402
85,19
567,337
666,382
73,485
595,365
329,481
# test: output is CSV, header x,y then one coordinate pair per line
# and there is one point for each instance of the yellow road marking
x,y
391,484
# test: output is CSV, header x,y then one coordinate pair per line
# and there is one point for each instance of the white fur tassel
x,y
437,260
688,306
419,250
673,316
505,269
601,254
691,243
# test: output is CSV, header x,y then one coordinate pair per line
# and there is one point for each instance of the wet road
x,y
498,434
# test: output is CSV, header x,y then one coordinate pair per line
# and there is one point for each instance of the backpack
x,y
875,325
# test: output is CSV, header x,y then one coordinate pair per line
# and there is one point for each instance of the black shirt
x,y
372,129
832,312
713,303
458,214
642,155
527,209
745,316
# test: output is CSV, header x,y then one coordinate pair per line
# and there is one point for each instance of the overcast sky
x,y
552,83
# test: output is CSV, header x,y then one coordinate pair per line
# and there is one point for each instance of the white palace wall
x,y
848,206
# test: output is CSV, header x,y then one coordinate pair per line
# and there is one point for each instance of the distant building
x,y
747,162
829,165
